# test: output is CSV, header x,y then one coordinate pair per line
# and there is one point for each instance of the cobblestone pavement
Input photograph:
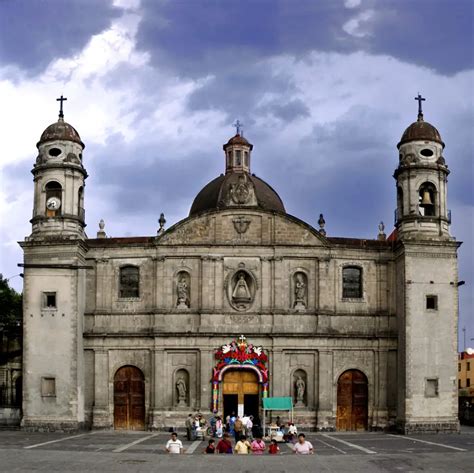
x,y
105,451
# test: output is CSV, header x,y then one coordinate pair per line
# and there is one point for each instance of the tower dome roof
x,y
236,190
238,139
60,130
421,130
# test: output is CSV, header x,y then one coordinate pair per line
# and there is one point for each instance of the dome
x,y
60,131
236,190
238,140
421,130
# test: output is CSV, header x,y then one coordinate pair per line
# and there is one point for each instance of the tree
x,y
10,305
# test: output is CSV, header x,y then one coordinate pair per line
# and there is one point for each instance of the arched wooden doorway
x,y
352,401
129,399
240,390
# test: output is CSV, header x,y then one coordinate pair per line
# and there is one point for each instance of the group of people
x,y
196,426
242,446
242,426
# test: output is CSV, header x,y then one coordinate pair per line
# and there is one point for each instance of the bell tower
x,y
59,175
54,285
422,177
426,285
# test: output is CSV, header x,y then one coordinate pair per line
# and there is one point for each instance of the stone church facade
x,y
240,301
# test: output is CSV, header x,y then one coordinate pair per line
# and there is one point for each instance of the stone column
x,y
206,362
324,301
381,414
279,374
101,283
326,418
156,407
101,413
266,283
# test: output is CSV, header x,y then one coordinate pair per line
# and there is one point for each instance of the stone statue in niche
x,y
182,391
300,386
183,293
241,295
300,292
241,291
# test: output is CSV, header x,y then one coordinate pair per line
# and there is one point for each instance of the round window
x,y
54,152
426,152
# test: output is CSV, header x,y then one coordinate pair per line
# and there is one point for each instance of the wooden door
x,y
129,399
240,382
352,401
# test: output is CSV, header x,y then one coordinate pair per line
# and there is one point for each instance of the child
x,y
224,445
243,446
211,448
273,448
258,446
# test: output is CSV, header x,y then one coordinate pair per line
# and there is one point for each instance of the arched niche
x,y
300,388
241,289
183,290
181,388
299,286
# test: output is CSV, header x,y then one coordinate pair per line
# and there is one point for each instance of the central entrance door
x,y
129,399
352,401
240,391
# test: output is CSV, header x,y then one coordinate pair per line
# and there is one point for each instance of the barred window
x,y
129,281
352,282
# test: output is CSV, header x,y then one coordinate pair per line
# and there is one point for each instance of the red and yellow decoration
x,y
239,355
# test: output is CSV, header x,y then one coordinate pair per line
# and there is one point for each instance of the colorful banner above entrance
x,y
239,355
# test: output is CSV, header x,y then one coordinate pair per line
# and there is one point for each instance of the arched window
x,y
80,203
129,281
352,282
427,200
400,203
238,158
246,158
53,198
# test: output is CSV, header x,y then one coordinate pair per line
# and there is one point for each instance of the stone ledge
x,y
407,428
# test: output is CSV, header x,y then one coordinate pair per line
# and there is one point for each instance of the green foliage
x,y
10,304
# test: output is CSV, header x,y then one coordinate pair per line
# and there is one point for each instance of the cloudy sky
x,y
325,89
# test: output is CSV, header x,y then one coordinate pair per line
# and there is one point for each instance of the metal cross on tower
x,y
61,99
238,126
420,99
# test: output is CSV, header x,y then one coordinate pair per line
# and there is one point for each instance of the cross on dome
x,y
238,126
61,100
420,99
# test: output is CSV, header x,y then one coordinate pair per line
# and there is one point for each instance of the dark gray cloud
x,y
286,112
238,92
437,34
214,37
35,32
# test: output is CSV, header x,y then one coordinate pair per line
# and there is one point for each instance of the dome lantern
x,y
237,152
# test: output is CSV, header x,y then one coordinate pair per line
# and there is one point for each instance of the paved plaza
x,y
107,451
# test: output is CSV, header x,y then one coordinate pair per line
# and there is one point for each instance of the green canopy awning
x,y
277,403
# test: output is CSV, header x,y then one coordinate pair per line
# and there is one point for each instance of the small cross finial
x,y
420,99
61,100
238,126
242,339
